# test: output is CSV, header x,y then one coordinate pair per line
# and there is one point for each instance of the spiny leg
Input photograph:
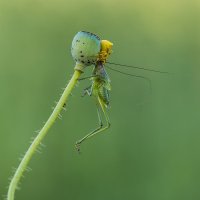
x,y
98,130
78,143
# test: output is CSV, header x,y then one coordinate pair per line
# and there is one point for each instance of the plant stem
x,y
37,141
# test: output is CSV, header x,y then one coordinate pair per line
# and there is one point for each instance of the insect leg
x,y
106,118
88,77
78,143
98,130
88,91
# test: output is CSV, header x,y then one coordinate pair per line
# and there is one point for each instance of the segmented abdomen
x,y
99,91
104,95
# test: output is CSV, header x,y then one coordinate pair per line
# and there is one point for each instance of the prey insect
x,y
99,90
88,49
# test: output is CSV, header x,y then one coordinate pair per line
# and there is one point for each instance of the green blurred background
x,y
151,151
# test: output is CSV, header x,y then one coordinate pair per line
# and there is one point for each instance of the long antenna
x,y
137,76
135,67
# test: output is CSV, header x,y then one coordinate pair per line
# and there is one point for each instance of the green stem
x,y
37,141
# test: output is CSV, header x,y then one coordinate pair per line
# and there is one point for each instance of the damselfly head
x,y
85,48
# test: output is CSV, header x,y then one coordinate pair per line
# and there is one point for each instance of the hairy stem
x,y
37,141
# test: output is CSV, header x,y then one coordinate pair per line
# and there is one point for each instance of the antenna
x,y
137,76
135,67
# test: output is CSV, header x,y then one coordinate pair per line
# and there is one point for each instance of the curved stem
x,y
37,141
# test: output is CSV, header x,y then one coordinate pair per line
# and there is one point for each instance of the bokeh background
x,y
151,151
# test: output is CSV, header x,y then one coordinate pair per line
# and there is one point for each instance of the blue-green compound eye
x,y
85,48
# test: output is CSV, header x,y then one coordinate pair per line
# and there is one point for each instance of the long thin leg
x,y
85,137
100,128
107,120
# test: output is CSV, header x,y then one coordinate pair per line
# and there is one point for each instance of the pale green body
x,y
100,85
99,90
86,48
